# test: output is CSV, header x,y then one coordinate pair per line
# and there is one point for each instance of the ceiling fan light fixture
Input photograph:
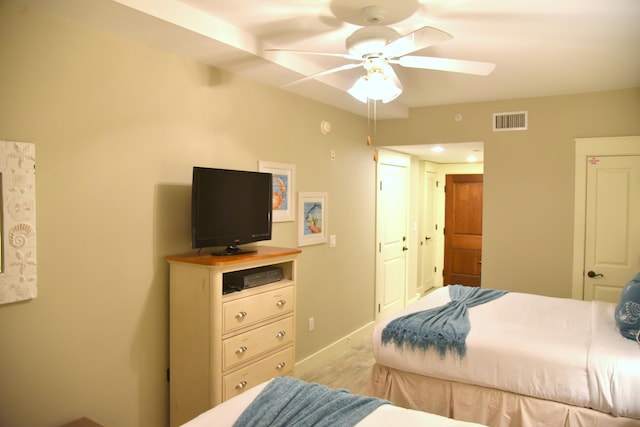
x,y
359,90
367,40
378,47
376,86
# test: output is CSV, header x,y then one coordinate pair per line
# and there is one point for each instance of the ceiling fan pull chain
x,y
368,120
375,116
372,107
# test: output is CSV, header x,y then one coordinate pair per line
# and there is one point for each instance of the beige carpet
x,y
350,370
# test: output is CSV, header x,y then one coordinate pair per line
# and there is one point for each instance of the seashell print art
x,y
18,280
20,234
19,180
21,208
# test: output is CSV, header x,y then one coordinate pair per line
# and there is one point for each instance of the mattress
x,y
556,349
225,414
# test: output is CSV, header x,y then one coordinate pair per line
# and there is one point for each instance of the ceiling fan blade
x,y
322,73
306,52
446,64
417,40
390,72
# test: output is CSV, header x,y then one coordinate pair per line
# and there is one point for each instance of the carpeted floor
x,y
350,370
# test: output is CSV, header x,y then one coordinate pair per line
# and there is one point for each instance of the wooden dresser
x,y
223,344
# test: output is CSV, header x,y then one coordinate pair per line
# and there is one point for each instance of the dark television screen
x,y
230,208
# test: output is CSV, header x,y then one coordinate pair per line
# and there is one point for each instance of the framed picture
x,y
284,177
313,211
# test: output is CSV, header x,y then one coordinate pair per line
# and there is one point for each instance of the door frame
x,y
428,225
585,148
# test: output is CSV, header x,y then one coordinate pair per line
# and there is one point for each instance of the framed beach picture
x,y
313,211
284,176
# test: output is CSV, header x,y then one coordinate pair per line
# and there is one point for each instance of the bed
x,y
530,360
227,413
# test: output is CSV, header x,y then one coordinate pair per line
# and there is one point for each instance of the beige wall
x,y
117,128
529,176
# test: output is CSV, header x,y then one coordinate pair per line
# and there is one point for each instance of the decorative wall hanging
x,y
18,222
284,176
313,211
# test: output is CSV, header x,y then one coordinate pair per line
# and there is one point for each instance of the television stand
x,y
221,345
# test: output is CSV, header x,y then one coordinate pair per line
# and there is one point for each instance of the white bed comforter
x,y
552,348
225,415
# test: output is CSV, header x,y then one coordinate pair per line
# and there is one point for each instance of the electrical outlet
x,y
312,324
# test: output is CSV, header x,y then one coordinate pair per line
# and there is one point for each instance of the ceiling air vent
x,y
510,121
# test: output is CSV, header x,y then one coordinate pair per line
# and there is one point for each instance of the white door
x,y
612,237
607,216
391,230
427,234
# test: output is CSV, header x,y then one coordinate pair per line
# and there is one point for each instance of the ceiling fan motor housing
x,y
370,40
374,14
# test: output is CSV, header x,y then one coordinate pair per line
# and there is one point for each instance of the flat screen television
x,y
230,208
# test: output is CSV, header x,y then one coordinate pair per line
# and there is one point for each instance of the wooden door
x,y
391,259
463,230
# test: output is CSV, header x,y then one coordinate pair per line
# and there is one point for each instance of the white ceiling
x,y
540,47
452,153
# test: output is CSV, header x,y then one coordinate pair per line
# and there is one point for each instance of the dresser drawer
x,y
258,341
279,364
245,312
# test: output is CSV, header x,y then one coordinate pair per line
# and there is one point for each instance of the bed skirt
x,y
494,408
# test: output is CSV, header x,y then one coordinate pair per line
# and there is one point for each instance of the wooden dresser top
x,y
263,252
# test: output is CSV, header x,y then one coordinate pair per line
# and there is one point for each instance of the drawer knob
x,y
281,334
241,385
281,303
281,365
241,350
241,315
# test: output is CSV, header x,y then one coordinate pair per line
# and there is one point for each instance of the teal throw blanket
x,y
289,402
442,328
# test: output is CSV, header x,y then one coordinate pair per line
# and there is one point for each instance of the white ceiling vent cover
x,y
518,120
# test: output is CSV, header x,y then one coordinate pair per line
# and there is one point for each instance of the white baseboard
x,y
321,357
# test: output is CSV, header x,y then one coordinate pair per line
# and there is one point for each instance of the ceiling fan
x,y
377,48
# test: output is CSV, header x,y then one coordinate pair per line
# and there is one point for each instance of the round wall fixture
x,y
325,127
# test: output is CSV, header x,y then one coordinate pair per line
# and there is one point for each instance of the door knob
x,y
593,274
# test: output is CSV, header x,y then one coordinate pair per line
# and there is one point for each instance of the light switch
x,y
332,241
